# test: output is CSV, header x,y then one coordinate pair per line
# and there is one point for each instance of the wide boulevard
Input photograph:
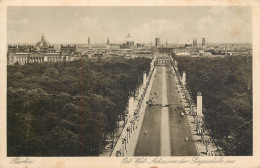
x,y
164,130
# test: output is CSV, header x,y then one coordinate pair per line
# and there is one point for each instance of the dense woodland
x,y
226,86
48,104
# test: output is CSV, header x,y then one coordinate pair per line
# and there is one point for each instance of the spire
x,y
88,40
43,37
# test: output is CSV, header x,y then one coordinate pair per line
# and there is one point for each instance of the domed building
x,y
188,44
43,51
43,44
128,43
129,39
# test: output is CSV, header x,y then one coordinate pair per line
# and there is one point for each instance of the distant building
x,y
188,44
43,45
194,43
203,42
88,40
157,42
43,51
108,41
138,45
68,49
201,53
182,53
128,43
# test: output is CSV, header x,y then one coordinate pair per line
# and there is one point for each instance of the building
x,y
128,43
163,60
188,44
203,42
108,41
43,45
194,43
43,51
68,49
182,53
157,42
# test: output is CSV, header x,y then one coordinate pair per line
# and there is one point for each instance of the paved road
x,y
165,132
178,131
150,144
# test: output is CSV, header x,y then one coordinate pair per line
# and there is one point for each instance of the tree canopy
x,y
49,103
226,86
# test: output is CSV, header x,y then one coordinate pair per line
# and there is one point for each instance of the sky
x,y
170,24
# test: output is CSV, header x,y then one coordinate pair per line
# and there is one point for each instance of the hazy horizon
x,y
73,25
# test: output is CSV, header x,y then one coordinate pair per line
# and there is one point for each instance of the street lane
x,y
178,131
149,144
160,140
165,132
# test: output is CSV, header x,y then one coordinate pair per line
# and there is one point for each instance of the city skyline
x,y
171,24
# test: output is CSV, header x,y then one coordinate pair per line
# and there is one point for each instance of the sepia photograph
x,y
155,85
85,81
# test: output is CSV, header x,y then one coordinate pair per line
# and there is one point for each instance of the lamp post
x,y
125,117
123,142
129,128
127,134
132,123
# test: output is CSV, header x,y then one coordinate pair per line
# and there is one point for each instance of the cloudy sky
x,y
171,24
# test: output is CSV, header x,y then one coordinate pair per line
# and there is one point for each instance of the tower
x,y
194,43
157,42
107,40
199,104
203,42
225,50
43,37
88,40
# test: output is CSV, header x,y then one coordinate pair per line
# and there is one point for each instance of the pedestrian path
x,y
202,141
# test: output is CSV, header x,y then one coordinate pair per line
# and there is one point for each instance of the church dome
x,y
43,43
129,38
